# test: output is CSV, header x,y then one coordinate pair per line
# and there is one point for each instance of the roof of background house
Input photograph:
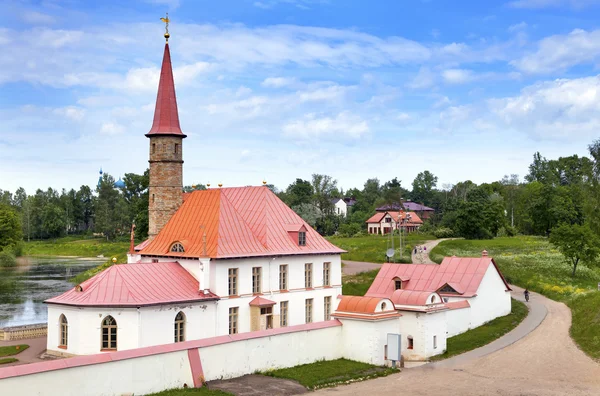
x,y
463,274
336,200
135,285
350,201
408,205
414,218
238,222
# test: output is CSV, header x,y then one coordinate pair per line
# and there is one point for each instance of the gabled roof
x,y
238,222
259,301
166,116
408,205
414,218
464,274
135,285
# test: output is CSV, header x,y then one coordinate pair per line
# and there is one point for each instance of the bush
x,y
348,229
443,232
507,231
18,248
7,259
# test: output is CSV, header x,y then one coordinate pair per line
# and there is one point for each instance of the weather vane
x,y
166,21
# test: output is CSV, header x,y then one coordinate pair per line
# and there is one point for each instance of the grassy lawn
x,y
330,373
8,360
12,350
372,248
532,262
75,246
191,391
485,334
357,285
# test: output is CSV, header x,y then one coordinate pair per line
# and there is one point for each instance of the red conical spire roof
x,y
166,117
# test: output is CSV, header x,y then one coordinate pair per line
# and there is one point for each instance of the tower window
x,y
153,148
176,148
152,198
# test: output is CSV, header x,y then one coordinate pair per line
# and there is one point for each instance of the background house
x,y
423,211
384,222
339,206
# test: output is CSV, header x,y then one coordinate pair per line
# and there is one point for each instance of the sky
x,y
276,90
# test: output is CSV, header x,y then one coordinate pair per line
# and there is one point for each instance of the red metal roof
x,y
358,304
458,304
465,273
166,117
258,301
134,285
238,222
142,245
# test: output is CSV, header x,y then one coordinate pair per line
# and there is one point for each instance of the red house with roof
x,y
385,222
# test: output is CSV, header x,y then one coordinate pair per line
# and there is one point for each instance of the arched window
x,y
177,248
180,327
410,342
109,333
383,305
64,331
432,299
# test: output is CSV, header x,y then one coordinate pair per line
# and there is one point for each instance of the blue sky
x,y
279,89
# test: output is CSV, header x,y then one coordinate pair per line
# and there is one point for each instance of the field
x,y
75,246
372,248
532,262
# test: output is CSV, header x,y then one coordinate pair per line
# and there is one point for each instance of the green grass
x,y
585,328
12,350
75,246
372,248
204,391
357,285
330,373
121,258
532,262
8,360
486,333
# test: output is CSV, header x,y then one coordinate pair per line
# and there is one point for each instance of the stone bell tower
x,y
166,148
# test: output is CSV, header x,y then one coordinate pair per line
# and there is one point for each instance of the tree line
x,y
554,193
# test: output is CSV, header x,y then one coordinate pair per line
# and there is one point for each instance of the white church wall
x,y
492,299
85,322
365,341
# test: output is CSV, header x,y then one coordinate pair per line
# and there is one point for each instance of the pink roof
x,y
142,245
166,117
134,285
411,297
414,218
238,222
464,274
258,301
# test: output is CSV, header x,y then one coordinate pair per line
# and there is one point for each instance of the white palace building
x,y
232,281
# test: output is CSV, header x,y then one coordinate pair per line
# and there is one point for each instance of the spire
x,y
166,117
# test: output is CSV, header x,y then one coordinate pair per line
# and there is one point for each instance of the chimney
x,y
484,253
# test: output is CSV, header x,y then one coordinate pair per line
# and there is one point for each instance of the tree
x,y
577,243
423,187
309,213
299,192
54,220
10,226
323,187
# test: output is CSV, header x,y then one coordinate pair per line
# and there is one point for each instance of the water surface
x,y
24,288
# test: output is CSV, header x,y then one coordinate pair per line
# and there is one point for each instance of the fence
x,y
23,332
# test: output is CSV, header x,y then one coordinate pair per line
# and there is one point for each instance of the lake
x,y
24,288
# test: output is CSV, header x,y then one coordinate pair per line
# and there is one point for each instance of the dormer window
x,y
177,247
398,284
301,238
447,289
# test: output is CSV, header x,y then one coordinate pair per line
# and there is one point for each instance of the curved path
x,y
423,257
530,360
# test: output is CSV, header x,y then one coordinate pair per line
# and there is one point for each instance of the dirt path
x,y
546,362
423,256
354,267
37,346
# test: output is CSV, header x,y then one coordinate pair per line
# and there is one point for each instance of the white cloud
x,y
37,18
278,82
330,93
457,76
554,109
517,27
425,78
538,4
342,126
112,128
560,52
71,112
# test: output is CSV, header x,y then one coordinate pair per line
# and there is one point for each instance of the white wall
x,y
341,208
365,341
285,350
123,374
492,299
422,327
458,321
